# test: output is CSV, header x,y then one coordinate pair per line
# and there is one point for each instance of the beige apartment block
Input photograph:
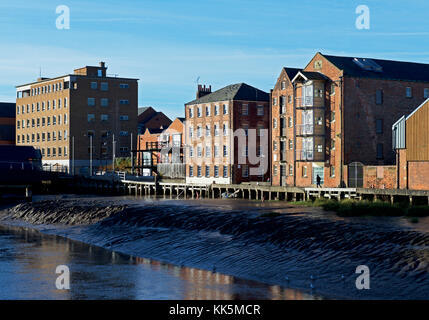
x,y
71,117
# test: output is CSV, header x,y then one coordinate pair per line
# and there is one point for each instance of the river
x,y
210,249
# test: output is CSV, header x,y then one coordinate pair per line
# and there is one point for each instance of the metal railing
x,y
305,129
305,155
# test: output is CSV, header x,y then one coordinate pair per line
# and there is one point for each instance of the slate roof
x,y
238,91
392,70
291,72
7,110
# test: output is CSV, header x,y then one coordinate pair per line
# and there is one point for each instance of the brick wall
x,y
379,177
418,175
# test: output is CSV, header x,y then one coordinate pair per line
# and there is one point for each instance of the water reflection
x,y
28,260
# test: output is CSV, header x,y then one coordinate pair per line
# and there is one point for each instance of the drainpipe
x,y
342,184
294,136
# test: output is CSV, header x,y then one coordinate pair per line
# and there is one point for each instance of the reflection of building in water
x,y
207,285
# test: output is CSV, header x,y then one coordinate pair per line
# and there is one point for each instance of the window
x,y
332,116
100,72
54,120
225,151
216,130
275,146
274,101
191,112
104,117
207,111
246,130
304,171
208,151
245,109
94,85
199,152
379,126
379,97
225,129
191,131
290,144
332,88
123,133
333,144
216,110
59,135
409,92
225,171
282,101
225,109
199,171
216,171
283,85
91,117
319,148
275,123
65,137
49,152
104,86
59,119
123,118
290,170
191,171
65,151
59,152
124,85
216,151
274,170
380,151
54,136
104,102
124,102
207,131
207,171
65,119
426,93
260,110
49,121
91,102
290,122
199,132
289,99
191,152
199,115
332,171
48,136
18,138
18,124
245,171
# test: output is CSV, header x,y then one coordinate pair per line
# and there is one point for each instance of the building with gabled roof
x,y
226,135
341,112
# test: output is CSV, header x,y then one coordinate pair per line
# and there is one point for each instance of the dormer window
x,y
100,72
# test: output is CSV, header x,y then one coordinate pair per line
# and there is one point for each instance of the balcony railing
x,y
283,156
283,132
306,101
305,155
305,129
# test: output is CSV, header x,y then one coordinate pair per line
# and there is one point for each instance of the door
x,y
318,170
355,175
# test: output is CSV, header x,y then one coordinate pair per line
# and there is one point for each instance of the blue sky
x,y
169,44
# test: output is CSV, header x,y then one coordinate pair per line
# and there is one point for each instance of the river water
x,y
214,249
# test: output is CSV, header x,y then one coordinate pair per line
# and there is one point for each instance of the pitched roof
x,y
391,70
143,109
238,91
7,110
291,72
310,75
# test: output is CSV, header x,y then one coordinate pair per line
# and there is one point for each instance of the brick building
x,y
411,143
226,135
61,116
337,114
161,151
7,123
148,118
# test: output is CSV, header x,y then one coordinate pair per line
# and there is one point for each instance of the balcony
x,y
305,129
283,156
283,132
304,155
307,102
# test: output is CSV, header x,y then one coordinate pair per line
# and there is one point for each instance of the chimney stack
x,y
203,90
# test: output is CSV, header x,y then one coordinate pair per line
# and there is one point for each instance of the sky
x,y
173,45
